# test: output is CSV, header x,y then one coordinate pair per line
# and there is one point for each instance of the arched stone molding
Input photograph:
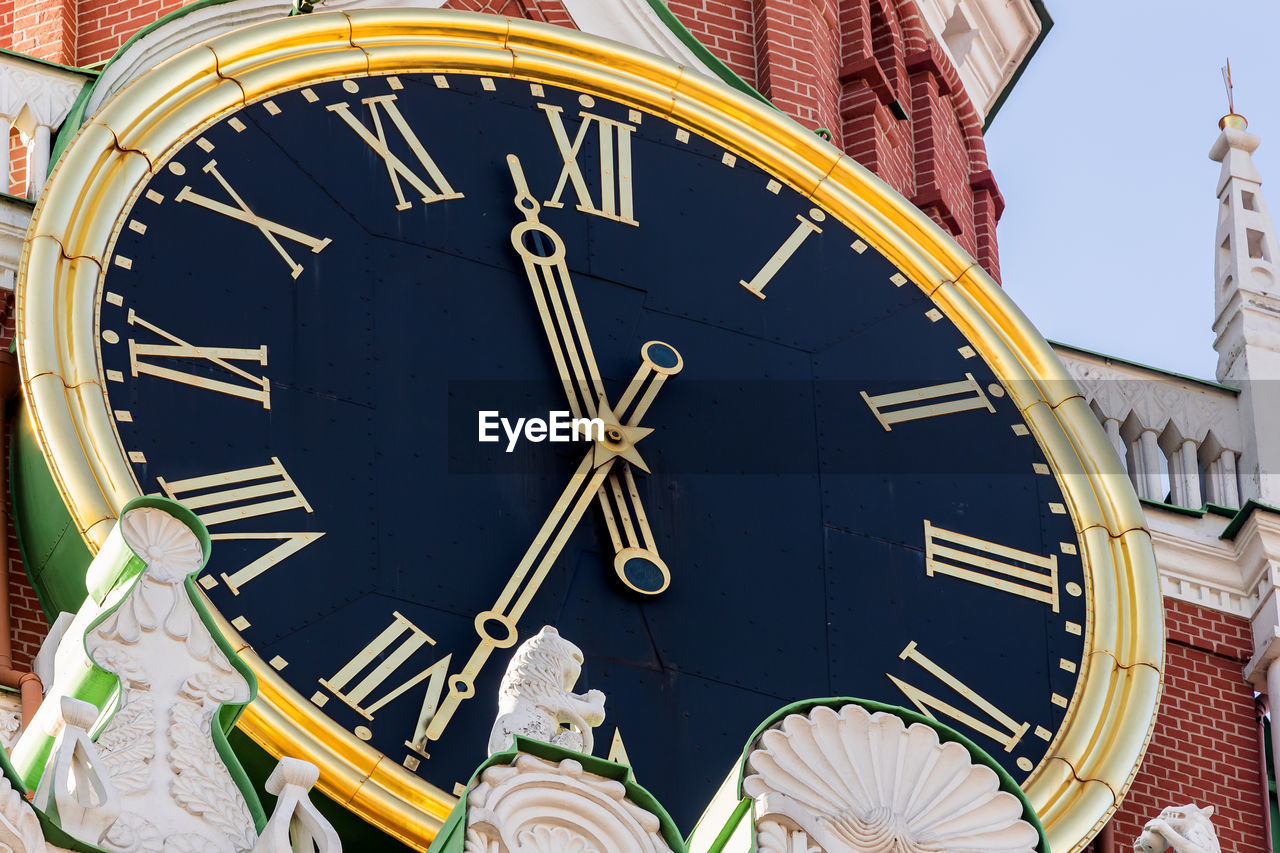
x,y
540,806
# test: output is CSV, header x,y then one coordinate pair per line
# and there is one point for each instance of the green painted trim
x,y
53,552
1046,24
946,734
731,826
47,62
229,712
1243,515
26,201
689,40
452,834
71,125
1174,508
1229,512
1205,382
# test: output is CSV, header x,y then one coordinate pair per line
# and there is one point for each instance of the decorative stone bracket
x,y
841,775
159,775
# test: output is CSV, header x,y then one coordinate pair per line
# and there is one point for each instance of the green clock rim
x,y
1093,759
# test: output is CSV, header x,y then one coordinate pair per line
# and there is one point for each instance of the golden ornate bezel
x,y
1095,755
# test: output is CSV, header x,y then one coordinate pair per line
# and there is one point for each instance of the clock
x,y
449,327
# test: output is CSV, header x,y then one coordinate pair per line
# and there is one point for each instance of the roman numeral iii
x,y
991,565
929,401
396,168
250,387
997,725
614,141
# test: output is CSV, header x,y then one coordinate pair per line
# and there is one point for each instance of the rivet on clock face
x,y
613,434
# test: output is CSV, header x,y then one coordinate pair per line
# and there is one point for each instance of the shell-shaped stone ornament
x,y
168,547
866,782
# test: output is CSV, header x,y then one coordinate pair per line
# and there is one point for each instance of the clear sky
x,y
1101,154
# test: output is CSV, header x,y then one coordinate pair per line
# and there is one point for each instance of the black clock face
x,y
312,305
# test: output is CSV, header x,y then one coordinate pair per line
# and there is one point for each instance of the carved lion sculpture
x,y
1186,829
536,699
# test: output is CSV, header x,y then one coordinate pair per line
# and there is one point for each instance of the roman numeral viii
x,y
991,565
997,725
614,141
249,387
230,496
396,168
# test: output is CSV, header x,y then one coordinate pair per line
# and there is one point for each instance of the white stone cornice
x,y
36,93
14,218
986,40
1198,567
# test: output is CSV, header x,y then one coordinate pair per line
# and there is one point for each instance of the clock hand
x,y
636,560
639,567
497,626
658,362
542,251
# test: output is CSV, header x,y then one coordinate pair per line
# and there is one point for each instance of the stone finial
x,y
536,699
1183,829
75,788
296,825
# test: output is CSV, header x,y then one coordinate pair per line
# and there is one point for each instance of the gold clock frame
x,y
1095,755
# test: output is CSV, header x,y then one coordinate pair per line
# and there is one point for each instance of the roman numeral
x,y
291,544
407,639
396,168
234,495
241,213
1000,727
979,561
914,404
253,387
784,252
614,140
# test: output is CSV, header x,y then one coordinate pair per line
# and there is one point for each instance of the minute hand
x,y
497,626
542,251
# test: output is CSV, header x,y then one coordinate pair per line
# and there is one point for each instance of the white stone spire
x,y
1247,306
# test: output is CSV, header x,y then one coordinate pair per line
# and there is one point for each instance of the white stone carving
x,y
856,782
295,825
35,97
19,827
986,40
175,792
1185,829
536,698
74,786
537,806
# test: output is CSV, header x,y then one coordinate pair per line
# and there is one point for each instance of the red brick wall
x,y
27,623
868,71
104,25
45,29
1204,749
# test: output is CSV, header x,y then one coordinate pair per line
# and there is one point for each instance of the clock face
x,y
314,305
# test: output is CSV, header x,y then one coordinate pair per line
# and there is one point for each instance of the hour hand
x,y
542,251
636,559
